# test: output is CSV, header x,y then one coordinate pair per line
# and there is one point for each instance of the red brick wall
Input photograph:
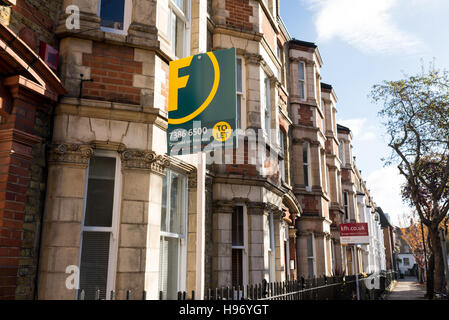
x,y
310,204
239,13
112,70
305,115
268,33
34,20
345,175
15,170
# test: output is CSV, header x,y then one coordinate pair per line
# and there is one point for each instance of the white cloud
x,y
361,131
368,25
385,188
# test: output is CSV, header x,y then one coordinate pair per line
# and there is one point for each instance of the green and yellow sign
x,y
202,101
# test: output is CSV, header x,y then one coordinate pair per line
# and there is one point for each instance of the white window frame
x,y
182,249
115,226
308,186
312,257
186,18
244,248
241,94
271,250
126,18
266,105
302,81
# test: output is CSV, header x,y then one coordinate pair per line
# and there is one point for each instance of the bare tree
x,y
415,112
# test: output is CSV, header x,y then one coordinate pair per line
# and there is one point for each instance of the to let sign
x,y
354,233
202,102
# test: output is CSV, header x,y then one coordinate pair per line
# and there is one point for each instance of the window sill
x,y
115,31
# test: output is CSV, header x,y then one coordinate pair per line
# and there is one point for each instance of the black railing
x,y
371,287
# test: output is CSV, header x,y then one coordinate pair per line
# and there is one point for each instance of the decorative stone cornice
x,y
70,154
144,160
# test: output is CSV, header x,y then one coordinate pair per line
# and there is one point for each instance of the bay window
x,y
99,232
115,15
173,249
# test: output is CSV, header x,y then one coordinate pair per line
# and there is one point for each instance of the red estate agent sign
x,y
354,233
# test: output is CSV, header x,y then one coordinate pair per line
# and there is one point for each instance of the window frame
x,y
126,18
186,18
241,94
307,164
341,153
266,105
311,236
244,248
302,81
115,226
182,238
346,205
282,152
270,248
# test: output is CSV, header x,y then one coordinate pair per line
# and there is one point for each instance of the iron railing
x,y
323,288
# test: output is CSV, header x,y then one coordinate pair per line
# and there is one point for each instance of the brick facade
x,y
240,12
112,70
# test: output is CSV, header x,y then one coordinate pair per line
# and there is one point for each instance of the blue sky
x,y
363,42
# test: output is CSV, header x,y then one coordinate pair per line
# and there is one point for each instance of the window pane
x,y
239,111
310,267
281,141
182,4
173,207
94,263
301,70
237,268
239,75
169,267
310,246
164,226
301,90
100,192
112,14
237,226
180,31
176,204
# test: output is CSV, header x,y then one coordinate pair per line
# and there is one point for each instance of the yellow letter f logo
x,y
176,82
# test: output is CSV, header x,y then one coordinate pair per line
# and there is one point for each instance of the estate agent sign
x,y
202,102
354,233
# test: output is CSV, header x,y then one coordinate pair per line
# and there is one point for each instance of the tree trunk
x,y
439,279
429,277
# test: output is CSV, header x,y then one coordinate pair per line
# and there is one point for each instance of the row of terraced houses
x,y
85,181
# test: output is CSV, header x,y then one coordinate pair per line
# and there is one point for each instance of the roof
x,y
303,43
383,219
326,86
343,128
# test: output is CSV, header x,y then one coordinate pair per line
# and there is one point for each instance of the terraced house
x,y
87,187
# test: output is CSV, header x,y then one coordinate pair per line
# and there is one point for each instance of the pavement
x,y
407,289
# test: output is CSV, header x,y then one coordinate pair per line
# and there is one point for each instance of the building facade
x,y
89,198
